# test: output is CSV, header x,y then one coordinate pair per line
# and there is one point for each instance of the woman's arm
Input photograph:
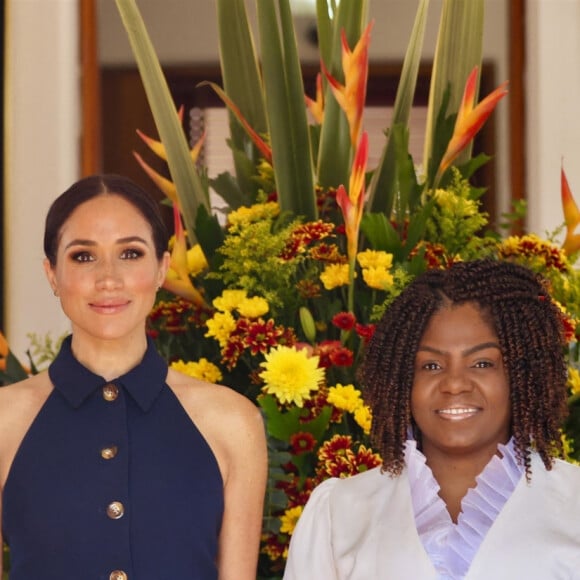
x,y
244,489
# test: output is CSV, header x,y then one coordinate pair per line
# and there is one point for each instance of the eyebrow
x,y
466,352
127,240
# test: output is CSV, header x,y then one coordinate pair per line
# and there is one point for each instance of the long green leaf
x,y
243,84
287,120
335,149
459,49
383,185
190,190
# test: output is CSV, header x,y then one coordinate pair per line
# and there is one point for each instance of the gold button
x,y
118,575
115,510
110,392
109,452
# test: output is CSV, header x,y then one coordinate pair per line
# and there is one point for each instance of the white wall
x,y
553,113
42,158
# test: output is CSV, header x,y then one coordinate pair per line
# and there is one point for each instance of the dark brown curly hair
x,y
530,332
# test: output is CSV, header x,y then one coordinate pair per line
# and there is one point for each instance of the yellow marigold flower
x,y
196,261
220,326
374,259
363,418
290,519
290,375
574,380
334,275
254,213
253,307
345,398
377,278
202,369
229,300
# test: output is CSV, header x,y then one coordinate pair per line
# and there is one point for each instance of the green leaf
x,y
243,84
380,233
282,424
459,48
190,190
383,185
335,150
287,120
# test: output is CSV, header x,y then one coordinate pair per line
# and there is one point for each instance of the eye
x,y
483,364
131,254
82,256
431,366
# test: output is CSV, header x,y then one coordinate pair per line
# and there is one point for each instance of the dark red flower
x,y
344,320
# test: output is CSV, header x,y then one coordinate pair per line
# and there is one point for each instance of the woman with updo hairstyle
x,y
112,465
466,379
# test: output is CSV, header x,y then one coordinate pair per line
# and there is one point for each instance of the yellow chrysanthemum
x,y
196,261
254,213
289,520
574,380
202,369
345,398
290,375
220,326
229,300
253,307
363,418
374,259
334,275
377,278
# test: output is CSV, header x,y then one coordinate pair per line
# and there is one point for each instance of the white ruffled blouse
x,y
452,546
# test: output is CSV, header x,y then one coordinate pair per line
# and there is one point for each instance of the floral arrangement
x,y
279,302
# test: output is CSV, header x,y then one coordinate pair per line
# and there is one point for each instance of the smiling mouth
x,y
457,413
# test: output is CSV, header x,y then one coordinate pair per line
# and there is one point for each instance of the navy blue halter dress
x,y
113,481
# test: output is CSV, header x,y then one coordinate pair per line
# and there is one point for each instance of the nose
x,y
108,276
456,381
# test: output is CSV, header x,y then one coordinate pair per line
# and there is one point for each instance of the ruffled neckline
x,y
452,547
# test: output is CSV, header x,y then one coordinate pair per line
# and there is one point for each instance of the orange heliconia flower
x,y
470,119
352,204
177,279
351,95
316,107
571,216
164,184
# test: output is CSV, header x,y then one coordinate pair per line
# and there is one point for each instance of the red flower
x,y
365,331
344,320
302,442
342,357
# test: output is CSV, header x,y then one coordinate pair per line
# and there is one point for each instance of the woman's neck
x,y
109,359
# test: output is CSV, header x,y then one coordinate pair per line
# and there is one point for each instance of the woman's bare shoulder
x,y
29,392
208,398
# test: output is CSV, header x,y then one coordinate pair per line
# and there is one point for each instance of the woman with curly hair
x,y
466,379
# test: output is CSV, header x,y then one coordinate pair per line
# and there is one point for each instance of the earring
x,y
55,291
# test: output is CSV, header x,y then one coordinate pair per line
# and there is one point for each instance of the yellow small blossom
x,y
363,418
196,261
229,300
345,398
253,307
202,369
374,259
574,380
259,211
290,375
377,278
334,275
289,520
451,202
220,326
